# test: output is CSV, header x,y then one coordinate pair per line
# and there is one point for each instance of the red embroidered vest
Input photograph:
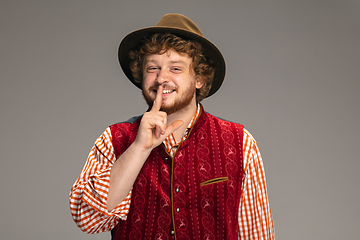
x,y
196,194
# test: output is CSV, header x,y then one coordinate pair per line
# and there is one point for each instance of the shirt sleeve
x,y
88,196
255,219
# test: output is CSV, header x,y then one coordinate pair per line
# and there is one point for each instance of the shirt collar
x,y
170,141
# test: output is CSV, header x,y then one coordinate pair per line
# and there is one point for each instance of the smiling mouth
x,y
165,91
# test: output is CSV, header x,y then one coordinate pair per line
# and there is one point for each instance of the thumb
x,y
173,127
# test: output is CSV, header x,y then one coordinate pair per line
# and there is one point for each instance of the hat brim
x,y
133,40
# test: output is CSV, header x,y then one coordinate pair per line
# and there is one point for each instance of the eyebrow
x,y
178,61
172,62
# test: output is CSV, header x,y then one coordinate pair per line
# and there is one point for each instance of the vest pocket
x,y
214,180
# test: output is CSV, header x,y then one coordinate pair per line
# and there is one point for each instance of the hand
x,y
153,130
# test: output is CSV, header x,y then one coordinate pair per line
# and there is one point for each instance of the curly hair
x,y
161,42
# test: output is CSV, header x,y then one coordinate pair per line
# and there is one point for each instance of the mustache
x,y
156,86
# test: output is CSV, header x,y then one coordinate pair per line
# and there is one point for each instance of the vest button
x,y
177,190
166,158
172,232
178,210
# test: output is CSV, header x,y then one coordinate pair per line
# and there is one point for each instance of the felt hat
x,y
181,26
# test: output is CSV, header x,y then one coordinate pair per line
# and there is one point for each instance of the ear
x,y
199,83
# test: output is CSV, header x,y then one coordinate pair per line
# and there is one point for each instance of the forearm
x,y
152,132
124,172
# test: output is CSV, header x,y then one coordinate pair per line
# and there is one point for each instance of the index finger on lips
x,y
158,99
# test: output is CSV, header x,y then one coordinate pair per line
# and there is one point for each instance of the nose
x,y
162,77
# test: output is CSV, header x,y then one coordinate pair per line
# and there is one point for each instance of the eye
x,y
176,69
151,69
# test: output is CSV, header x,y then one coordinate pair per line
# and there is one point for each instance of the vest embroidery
x,y
196,193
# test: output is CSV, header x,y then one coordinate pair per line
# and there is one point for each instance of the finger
x,y
170,129
158,123
158,99
158,131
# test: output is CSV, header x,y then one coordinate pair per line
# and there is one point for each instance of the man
x,y
176,172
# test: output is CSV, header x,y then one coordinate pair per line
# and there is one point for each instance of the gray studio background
x,y
293,80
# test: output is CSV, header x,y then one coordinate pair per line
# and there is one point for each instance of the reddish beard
x,y
177,105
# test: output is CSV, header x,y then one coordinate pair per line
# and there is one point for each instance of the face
x,y
173,71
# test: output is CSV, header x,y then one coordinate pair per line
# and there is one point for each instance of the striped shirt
x,y
88,196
